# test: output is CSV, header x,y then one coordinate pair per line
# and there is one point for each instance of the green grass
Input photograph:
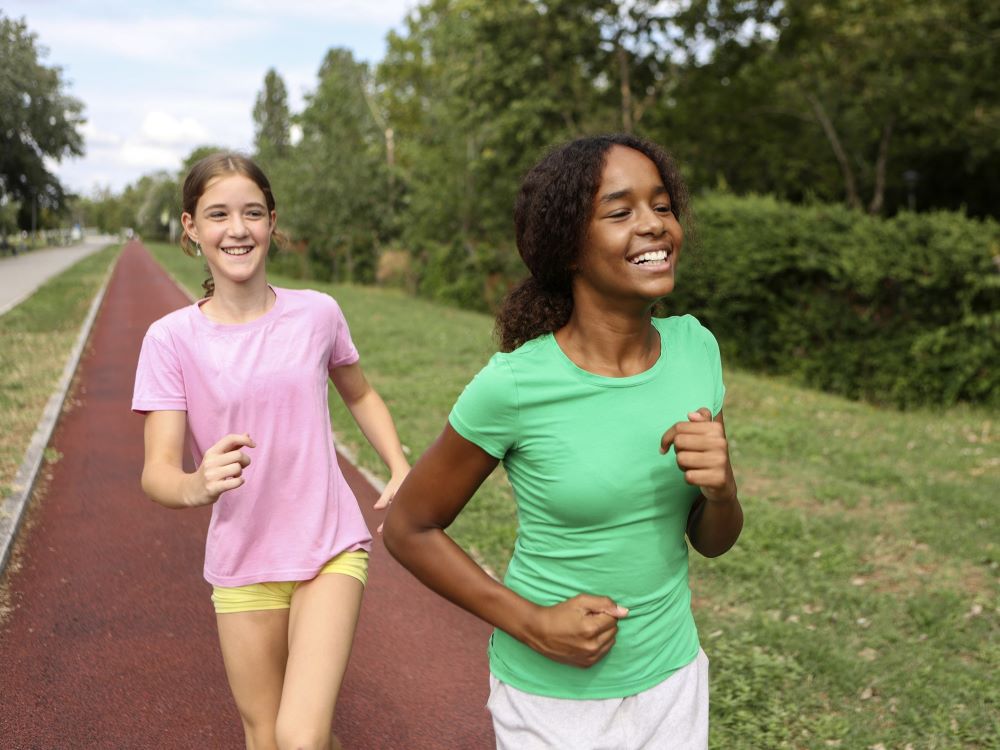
x,y
35,339
861,606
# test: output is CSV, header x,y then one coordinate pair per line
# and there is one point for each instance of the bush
x,y
473,277
903,311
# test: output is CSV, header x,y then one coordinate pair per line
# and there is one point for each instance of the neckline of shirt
x,y
250,324
606,381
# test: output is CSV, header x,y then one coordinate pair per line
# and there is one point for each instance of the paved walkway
x,y
21,275
110,641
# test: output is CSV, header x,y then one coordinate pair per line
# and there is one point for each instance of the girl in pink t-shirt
x,y
243,373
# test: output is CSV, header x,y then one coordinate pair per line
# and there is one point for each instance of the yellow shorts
x,y
278,595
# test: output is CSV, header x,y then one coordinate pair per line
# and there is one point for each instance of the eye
x,y
217,215
665,209
255,213
620,213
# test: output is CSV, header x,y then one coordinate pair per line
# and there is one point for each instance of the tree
x,y
882,78
38,120
272,121
334,185
193,158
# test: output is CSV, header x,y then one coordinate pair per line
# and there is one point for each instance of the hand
x,y
703,455
385,499
578,631
221,469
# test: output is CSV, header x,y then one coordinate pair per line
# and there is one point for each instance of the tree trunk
x,y
850,186
625,86
878,195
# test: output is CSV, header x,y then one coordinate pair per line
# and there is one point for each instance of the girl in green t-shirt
x,y
609,423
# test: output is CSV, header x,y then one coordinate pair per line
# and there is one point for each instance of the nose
x,y
650,223
236,226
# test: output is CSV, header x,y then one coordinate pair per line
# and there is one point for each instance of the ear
x,y
274,221
187,221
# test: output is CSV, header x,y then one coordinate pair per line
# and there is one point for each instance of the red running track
x,y
111,641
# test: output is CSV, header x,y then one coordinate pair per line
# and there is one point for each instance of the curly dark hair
x,y
551,215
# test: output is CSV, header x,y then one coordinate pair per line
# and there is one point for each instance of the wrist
x,y
191,496
725,496
529,627
398,469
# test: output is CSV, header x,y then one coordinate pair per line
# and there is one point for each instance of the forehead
x,y
625,168
232,188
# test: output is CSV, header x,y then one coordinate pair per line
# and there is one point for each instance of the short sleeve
x,y
159,381
715,368
342,349
486,411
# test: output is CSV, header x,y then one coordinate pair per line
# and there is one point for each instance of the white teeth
x,y
650,257
236,250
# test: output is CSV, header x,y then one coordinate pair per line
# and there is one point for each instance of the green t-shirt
x,y
600,510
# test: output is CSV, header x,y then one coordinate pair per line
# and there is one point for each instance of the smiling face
x,y
232,224
634,239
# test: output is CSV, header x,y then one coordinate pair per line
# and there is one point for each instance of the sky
x,y
159,79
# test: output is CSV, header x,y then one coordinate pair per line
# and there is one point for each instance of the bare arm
x,y
372,416
702,451
578,631
163,475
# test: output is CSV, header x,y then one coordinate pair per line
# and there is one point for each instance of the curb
x,y
12,507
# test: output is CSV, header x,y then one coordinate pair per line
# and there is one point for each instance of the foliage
x,y
877,107
882,104
333,188
272,120
904,311
38,121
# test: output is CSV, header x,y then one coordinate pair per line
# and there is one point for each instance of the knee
x,y
259,734
301,737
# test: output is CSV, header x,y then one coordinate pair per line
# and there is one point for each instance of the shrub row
x,y
904,311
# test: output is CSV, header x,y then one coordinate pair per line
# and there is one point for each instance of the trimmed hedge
x,y
904,311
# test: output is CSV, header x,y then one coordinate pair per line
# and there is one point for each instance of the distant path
x,y
20,275
111,642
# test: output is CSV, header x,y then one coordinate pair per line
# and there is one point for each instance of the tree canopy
x,y
38,121
879,105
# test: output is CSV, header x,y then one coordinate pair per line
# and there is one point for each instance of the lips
x,y
652,256
237,250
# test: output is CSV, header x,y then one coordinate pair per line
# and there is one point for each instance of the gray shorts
x,y
671,715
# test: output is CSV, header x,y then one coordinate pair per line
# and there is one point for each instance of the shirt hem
x,y
604,692
281,576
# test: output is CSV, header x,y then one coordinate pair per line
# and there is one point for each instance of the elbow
x,y
392,535
401,537
145,482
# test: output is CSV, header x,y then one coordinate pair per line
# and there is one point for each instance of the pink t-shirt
x,y
268,378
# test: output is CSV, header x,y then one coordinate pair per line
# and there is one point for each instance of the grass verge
x,y
861,607
35,339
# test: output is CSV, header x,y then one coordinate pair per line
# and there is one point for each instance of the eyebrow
x,y
223,205
618,194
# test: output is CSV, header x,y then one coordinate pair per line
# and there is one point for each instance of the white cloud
x,y
139,39
147,157
96,137
160,128
159,80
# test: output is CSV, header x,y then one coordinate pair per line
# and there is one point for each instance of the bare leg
x,y
321,626
255,652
